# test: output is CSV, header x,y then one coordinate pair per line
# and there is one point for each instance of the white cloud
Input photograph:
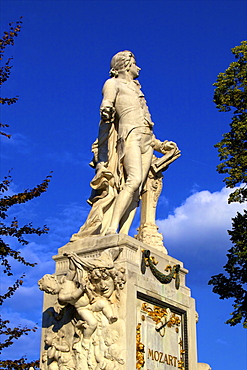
x,y
163,201
196,232
28,300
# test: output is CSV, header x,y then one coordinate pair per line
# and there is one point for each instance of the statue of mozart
x,y
123,152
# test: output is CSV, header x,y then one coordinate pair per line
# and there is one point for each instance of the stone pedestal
x,y
155,325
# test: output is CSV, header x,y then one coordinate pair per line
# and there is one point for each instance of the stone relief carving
x,y
149,261
85,329
59,354
126,169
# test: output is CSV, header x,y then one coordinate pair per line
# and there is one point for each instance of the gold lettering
x,y
170,360
161,355
166,360
175,361
150,353
156,355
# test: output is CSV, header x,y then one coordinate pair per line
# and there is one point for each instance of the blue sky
x,y
61,60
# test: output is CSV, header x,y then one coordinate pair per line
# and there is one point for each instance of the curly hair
x,y
117,275
120,62
49,284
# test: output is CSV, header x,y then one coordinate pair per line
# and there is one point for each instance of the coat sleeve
x,y
109,93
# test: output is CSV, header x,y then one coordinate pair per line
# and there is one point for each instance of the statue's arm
x,y
64,347
107,110
163,146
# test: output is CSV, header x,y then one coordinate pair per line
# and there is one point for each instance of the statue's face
x,y
49,339
104,285
107,286
134,69
49,285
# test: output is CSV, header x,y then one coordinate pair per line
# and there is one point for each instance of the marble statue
x,y
123,152
80,338
108,306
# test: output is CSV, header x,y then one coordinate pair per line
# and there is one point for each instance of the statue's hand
x,y
163,146
166,146
107,114
82,285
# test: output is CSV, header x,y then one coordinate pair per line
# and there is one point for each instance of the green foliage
x,y
234,285
10,230
231,93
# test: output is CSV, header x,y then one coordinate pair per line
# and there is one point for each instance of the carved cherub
x,y
112,353
109,357
58,354
105,279
78,294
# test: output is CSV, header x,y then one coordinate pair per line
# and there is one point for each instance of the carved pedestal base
x,y
148,234
115,303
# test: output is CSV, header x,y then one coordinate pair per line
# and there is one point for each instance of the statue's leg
x,y
90,322
129,215
122,204
147,160
132,163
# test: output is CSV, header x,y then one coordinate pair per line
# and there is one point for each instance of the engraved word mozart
x,y
162,357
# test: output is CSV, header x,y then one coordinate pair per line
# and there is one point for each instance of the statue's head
x,y
111,337
49,284
105,281
122,62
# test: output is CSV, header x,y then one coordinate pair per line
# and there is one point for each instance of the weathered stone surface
x,y
109,268
126,169
117,302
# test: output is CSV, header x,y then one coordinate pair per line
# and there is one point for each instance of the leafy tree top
x,y
231,85
231,94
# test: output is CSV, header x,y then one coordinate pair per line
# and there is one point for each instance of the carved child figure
x,y
91,285
113,353
59,356
108,358
80,296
